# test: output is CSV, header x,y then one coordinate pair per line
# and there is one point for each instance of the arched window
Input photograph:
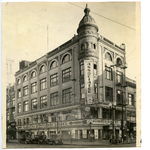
x,y
66,58
54,64
119,62
42,69
108,56
24,78
82,46
18,81
33,74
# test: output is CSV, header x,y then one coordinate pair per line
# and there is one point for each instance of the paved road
x,y
18,145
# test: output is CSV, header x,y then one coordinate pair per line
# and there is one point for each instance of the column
x,y
100,112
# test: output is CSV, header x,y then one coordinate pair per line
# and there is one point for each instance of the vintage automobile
x,y
55,139
22,139
35,140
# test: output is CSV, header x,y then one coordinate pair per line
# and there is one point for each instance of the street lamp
x,y
90,132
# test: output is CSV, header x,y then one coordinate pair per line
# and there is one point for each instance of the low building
x,y
78,89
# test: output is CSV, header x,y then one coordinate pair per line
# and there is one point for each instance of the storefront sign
x,y
96,134
89,81
84,134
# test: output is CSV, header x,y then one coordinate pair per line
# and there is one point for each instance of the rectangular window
x,y
27,120
8,103
130,99
81,68
54,99
13,102
34,104
19,121
108,94
35,119
13,114
95,90
119,77
108,73
119,96
66,74
43,84
19,107
105,113
95,68
7,115
54,119
25,90
26,106
54,79
67,96
82,91
34,87
43,101
24,121
19,93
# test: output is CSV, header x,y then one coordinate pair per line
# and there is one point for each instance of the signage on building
x,y
96,134
89,81
85,134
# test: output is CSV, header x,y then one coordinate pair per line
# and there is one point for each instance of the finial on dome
x,y
86,10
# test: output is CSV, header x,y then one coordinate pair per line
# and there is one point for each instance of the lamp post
x,y
90,132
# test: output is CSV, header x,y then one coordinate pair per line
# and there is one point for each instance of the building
x,y
77,89
10,113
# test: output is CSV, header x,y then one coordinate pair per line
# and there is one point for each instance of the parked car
x,y
22,139
55,139
35,140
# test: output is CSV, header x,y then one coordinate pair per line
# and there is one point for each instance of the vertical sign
x,y
88,80
96,134
84,133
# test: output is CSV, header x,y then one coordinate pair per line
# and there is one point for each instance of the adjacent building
x,y
77,89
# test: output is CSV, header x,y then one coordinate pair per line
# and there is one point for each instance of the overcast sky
x,y
24,27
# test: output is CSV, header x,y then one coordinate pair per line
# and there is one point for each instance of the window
x,y
24,78
54,119
130,99
82,46
43,84
108,56
108,94
54,99
66,75
35,119
25,90
119,77
105,113
13,114
43,101
27,120
24,121
13,102
33,74
8,103
53,64
19,107
66,58
18,81
19,93
42,69
26,106
67,95
94,45
7,115
119,96
54,79
82,91
118,62
81,68
19,121
95,68
95,90
34,104
108,72
34,87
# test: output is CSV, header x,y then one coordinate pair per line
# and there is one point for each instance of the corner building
x,y
77,89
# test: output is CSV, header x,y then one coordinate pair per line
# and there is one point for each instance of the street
x,y
67,144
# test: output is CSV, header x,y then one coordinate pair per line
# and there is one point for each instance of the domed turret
x,y
87,20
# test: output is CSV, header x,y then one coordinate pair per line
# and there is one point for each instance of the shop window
x,y
34,87
43,84
34,104
66,58
108,56
54,64
43,101
25,91
130,99
26,106
54,99
81,68
66,75
108,94
67,95
108,73
54,80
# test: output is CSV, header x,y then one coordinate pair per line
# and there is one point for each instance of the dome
x,y
87,20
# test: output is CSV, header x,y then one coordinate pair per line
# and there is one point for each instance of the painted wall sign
x,y
89,81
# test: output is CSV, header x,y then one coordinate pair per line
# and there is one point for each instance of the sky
x,y
24,28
